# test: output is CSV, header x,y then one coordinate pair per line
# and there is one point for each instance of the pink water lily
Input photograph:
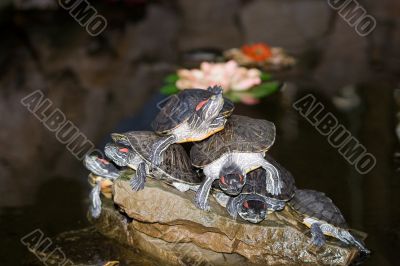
x,y
229,75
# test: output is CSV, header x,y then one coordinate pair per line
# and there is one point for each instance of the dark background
x,y
111,82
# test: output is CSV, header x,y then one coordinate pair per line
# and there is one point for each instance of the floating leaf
x,y
265,76
233,96
265,89
169,89
171,79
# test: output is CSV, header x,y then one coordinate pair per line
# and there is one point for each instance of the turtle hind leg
x,y
317,236
159,147
138,181
348,238
95,207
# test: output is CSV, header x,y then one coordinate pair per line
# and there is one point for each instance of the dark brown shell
x,y
317,205
176,163
241,134
178,108
256,182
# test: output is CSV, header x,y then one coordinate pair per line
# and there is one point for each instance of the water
x,y
369,202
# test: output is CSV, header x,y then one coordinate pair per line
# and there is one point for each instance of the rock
x,y
165,223
73,243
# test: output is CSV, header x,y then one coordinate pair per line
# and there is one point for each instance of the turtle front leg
x,y
222,199
159,147
201,197
95,207
317,236
138,181
274,183
274,204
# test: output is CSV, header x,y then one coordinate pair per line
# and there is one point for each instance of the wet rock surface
x,y
79,248
164,222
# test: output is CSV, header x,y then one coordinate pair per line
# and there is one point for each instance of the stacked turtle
x,y
227,159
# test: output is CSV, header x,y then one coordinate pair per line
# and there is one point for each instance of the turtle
x,y
232,153
254,202
320,214
133,149
104,169
189,116
313,208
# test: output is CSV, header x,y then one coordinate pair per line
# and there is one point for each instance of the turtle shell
x,y
176,164
178,108
315,204
256,182
241,134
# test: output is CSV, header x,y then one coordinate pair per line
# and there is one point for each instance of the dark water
x,y
369,202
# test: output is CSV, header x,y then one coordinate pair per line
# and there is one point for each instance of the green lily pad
x,y
265,89
265,76
169,89
233,96
171,79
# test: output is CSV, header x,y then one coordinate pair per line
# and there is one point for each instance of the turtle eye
x,y
103,161
201,105
124,150
246,205
223,180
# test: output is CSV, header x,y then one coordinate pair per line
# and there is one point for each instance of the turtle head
x,y
100,166
118,153
253,209
231,180
209,108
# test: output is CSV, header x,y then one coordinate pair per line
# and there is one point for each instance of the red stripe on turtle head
x,y
222,179
201,104
124,150
104,161
246,205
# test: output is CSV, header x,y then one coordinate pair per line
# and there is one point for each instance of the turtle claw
x,y
202,206
318,238
138,181
202,193
274,189
318,241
